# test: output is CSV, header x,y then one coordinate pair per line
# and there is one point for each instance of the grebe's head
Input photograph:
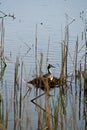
x,y
50,66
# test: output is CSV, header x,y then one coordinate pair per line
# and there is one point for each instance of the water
x,y
71,110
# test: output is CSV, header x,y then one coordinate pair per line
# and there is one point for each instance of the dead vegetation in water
x,y
53,114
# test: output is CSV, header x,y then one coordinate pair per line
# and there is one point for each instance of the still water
x,y
71,118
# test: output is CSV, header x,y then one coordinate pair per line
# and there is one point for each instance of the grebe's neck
x,y
49,71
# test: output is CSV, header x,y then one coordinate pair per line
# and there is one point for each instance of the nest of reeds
x,y
45,83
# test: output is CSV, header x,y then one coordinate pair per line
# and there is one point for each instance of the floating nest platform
x,y
44,83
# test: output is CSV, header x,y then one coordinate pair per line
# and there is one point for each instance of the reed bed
x,y
51,110
56,108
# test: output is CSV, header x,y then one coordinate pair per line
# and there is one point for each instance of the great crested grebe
x,y
40,82
49,74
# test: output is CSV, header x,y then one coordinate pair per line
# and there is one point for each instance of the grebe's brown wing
x,y
48,76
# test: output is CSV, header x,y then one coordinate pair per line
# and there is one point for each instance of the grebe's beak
x,y
52,66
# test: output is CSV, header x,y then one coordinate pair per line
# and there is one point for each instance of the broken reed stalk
x,y
38,104
28,91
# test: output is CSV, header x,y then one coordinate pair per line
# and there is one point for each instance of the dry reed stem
x,y
49,117
6,122
15,91
64,57
48,51
15,98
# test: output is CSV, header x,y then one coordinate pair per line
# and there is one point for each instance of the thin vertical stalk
x,y
48,51
76,56
40,70
48,115
63,46
2,38
67,40
2,43
15,98
62,62
76,63
66,43
15,92
40,102
41,62
20,105
62,108
6,126
36,52
80,93
0,106
86,47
